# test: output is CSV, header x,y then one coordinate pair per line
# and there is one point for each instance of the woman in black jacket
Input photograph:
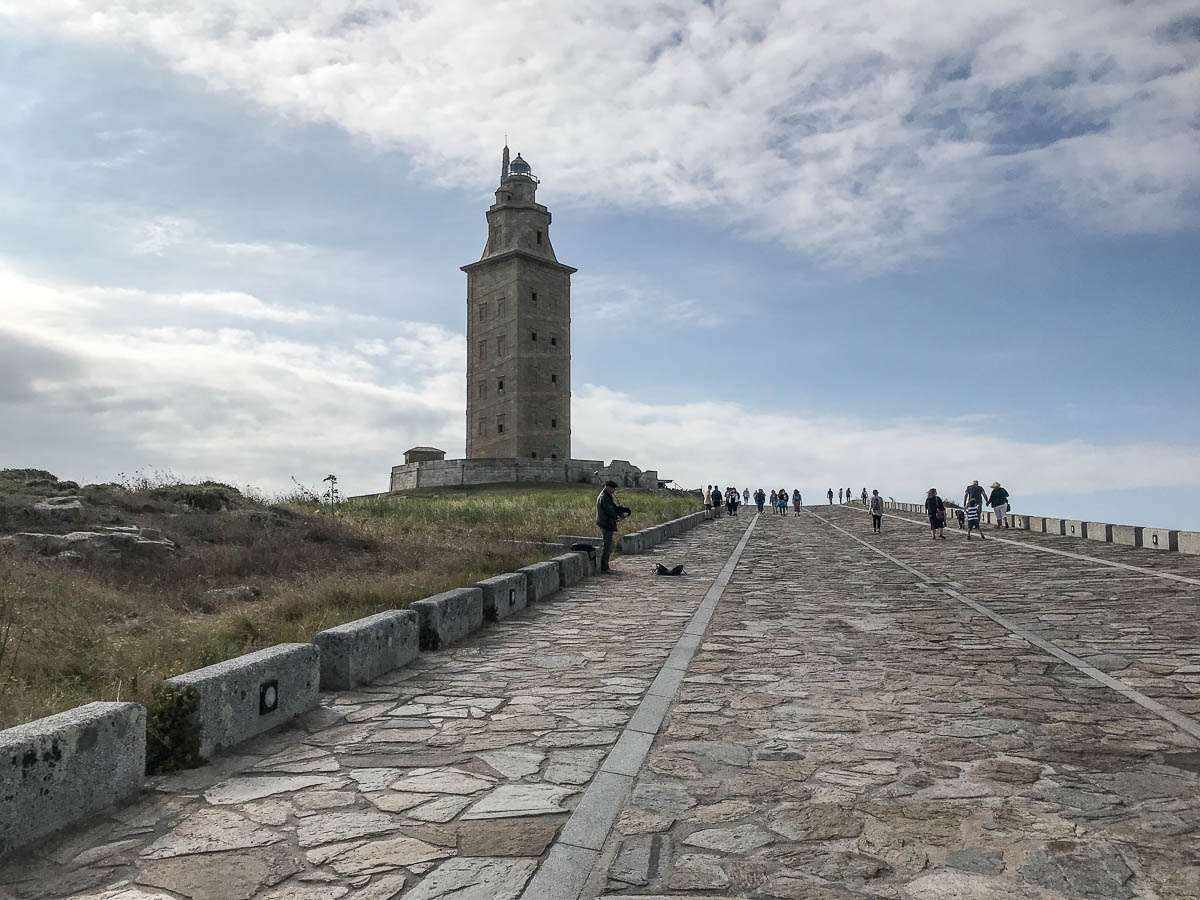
x,y
937,514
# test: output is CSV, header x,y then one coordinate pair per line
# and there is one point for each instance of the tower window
x,y
500,386
533,455
500,308
554,456
554,423
499,424
539,237
533,335
482,428
482,389
482,310
501,346
553,378
533,297
483,349
553,342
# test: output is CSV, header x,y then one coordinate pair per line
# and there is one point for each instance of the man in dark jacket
x,y
608,514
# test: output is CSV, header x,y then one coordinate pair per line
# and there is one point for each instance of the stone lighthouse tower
x,y
518,330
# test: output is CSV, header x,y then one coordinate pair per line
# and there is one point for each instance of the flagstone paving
x,y
845,729
447,778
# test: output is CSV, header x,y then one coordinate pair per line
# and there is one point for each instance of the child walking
x,y
973,519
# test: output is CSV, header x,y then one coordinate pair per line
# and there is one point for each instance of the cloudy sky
x,y
893,244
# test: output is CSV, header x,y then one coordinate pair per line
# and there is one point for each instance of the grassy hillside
x,y
108,626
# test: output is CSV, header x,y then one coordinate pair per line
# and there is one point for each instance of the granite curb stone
x,y
448,617
541,580
61,769
503,595
358,652
242,697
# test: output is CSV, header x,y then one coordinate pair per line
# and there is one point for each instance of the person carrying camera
x,y
608,514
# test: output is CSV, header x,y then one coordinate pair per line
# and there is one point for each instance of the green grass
x,y
113,628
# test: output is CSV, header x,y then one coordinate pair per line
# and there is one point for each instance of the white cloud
x,y
251,406
859,130
618,304
703,443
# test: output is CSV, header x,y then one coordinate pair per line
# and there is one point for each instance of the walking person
x,y
783,501
998,501
864,496
718,500
608,514
829,494
839,495
797,502
847,495
746,496
936,511
973,492
708,513
760,499
876,507
731,501
775,501
973,513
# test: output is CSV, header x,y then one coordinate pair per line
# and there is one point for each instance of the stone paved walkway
x,y
849,731
846,729
455,771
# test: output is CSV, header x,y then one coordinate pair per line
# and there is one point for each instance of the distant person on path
x,y
718,501
797,502
847,495
746,496
731,501
783,501
775,500
936,510
973,512
864,496
876,507
973,492
839,495
760,499
608,514
829,494
708,513
998,501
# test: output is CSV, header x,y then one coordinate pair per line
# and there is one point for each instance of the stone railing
x,y
62,769
1127,535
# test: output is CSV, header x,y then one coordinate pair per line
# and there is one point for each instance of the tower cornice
x,y
523,254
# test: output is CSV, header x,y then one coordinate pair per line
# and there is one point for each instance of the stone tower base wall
x,y
466,472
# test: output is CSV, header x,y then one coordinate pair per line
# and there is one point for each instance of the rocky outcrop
x,y
113,540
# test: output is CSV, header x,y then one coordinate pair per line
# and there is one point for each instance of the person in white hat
x,y
998,501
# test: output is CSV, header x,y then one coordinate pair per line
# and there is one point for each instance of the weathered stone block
x,y
360,651
1098,531
247,695
1019,522
1160,539
1189,542
449,617
572,568
1074,528
541,581
503,595
59,770
631,543
1128,535
1036,523
1055,526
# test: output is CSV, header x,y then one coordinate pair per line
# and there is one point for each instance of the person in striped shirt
x,y
973,510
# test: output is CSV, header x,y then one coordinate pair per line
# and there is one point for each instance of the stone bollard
x,y
448,617
59,770
503,595
358,652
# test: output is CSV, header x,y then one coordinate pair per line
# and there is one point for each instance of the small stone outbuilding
x,y
423,454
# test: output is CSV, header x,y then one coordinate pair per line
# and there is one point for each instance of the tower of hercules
x,y
518,330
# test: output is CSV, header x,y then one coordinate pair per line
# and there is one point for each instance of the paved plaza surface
x,y
842,715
